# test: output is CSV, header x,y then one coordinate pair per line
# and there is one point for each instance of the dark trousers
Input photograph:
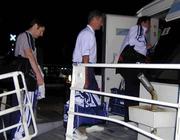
x,y
132,82
92,80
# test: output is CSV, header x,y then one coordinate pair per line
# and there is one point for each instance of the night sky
x,y
63,23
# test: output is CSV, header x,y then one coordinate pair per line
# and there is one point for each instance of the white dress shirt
x,y
85,45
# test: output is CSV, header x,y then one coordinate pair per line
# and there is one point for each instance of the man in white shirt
x,y
85,49
86,52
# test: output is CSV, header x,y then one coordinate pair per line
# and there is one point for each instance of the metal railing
x,y
20,92
78,83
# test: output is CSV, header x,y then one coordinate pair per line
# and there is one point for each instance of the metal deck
x,y
112,132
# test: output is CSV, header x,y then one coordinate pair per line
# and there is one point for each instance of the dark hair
x,y
140,29
39,22
143,19
95,13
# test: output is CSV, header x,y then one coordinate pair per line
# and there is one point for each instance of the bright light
x,y
12,37
69,78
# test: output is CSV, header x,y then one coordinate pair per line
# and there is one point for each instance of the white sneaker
x,y
79,136
94,128
18,136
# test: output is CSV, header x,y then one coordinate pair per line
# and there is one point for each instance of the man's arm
x,y
85,59
34,65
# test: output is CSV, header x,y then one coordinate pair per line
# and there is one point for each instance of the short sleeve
x,y
87,43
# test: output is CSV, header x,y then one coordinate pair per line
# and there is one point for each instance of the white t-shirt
x,y
85,45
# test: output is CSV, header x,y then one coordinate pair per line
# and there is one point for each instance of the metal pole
x,y
177,129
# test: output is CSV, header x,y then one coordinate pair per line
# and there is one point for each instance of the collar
x,y
90,28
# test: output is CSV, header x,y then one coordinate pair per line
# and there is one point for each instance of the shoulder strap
x,y
30,40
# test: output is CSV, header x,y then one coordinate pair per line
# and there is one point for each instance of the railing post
x,y
20,101
78,79
3,107
70,123
177,128
20,92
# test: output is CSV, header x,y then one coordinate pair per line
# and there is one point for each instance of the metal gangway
x,y
20,90
78,78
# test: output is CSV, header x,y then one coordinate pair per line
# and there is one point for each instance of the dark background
x,y
63,20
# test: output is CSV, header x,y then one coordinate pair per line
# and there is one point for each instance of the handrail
x,y
125,65
21,105
172,105
9,93
77,77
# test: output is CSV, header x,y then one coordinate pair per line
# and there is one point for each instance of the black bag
x,y
13,63
116,105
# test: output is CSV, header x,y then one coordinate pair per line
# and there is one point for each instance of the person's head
x,y
96,19
144,21
37,28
